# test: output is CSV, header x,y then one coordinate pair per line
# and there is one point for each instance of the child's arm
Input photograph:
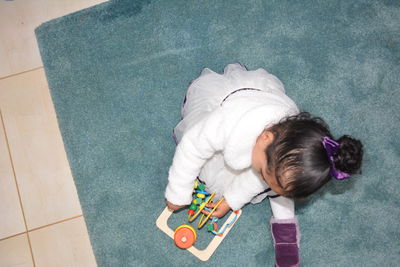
x,y
285,232
244,188
197,145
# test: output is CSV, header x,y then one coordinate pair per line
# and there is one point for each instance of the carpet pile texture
x,y
118,73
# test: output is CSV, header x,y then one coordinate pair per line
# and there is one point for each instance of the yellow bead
x,y
200,195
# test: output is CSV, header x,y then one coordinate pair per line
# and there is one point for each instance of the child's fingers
x,y
173,207
214,214
205,212
217,213
211,205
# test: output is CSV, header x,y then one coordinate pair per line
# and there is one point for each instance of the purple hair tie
x,y
331,146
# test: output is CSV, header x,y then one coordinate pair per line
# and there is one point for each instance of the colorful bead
x,y
190,212
200,195
201,187
197,201
202,192
210,227
193,207
215,226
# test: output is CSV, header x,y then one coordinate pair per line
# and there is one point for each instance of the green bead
x,y
198,201
201,187
193,207
210,227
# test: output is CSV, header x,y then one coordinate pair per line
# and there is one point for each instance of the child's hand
x,y
220,211
173,207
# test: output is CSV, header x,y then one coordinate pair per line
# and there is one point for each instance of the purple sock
x,y
286,236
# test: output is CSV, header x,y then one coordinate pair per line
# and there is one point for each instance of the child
x,y
246,140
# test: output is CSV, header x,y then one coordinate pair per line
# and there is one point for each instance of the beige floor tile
x,y
18,19
12,220
42,171
63,244
15,252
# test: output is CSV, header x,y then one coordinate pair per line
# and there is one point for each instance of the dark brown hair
x,y
298,158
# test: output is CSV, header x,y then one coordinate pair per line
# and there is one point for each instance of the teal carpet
x,y
118,72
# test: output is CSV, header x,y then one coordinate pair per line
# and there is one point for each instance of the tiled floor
x,y
41,221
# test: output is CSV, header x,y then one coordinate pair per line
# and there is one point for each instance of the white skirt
x,y
210,89
206,93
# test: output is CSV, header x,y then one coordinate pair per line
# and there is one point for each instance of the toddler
x,y
243,137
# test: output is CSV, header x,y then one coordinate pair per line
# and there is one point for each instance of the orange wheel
x,y
184,236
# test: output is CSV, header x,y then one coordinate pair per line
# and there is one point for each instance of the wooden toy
x,y
185,235
204,255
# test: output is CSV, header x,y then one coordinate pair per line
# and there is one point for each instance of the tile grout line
x,y
54,223
20,200
15,74
41,227
11,236
16,185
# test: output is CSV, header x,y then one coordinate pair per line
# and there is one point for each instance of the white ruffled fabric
x,y
218,131
209,90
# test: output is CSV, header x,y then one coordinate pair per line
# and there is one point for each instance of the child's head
x,y
298,159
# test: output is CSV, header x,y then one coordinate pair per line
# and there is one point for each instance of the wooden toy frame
x,y
204,255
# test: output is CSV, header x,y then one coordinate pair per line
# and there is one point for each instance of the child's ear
x,y
267,136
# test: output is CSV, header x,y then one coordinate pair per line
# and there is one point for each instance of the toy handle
x,y
162,222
